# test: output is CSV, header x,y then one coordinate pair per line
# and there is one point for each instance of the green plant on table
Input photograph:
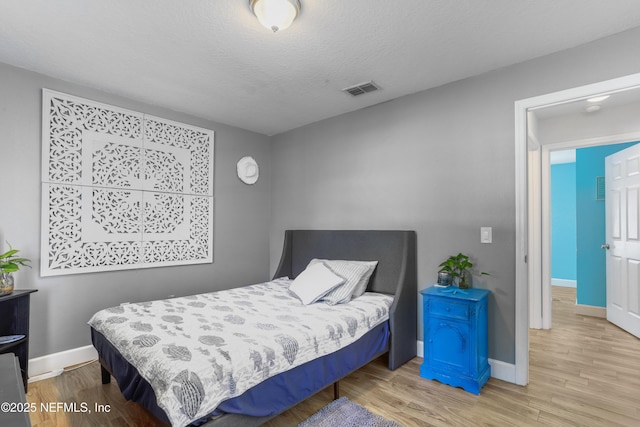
x,y
10,262
459,268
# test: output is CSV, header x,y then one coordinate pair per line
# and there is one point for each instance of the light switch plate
x,y
486,235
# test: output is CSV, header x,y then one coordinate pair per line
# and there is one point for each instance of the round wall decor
x,y
248,170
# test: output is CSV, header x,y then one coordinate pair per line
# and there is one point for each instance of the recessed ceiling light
x,y
598,98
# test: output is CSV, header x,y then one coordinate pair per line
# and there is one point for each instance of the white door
x,y
622,183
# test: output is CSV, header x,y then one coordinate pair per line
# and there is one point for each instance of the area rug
x,y
345,413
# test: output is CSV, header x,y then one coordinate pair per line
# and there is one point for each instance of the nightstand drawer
x,y
448,309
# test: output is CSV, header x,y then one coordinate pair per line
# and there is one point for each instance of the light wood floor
x,y
583,372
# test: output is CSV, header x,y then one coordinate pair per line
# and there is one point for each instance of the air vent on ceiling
x,y
361,89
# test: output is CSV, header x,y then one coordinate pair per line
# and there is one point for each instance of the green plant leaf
x,y
10,263
9,253
10,268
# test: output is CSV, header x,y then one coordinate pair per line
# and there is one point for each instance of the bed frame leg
x,y
336,390
106,376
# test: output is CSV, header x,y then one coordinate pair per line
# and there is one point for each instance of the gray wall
x,y
441,162
63,304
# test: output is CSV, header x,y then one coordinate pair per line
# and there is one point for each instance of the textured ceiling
x,y
212,59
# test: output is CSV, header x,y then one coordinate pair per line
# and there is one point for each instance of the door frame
x,y
530,266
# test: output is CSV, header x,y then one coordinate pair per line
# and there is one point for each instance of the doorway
x,y
577,218
532,263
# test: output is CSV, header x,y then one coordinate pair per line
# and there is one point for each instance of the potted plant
x,y
10,262
458,267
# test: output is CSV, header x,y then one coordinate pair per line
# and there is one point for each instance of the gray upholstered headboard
x,y
395,274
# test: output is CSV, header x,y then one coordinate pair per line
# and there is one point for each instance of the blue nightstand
x,y
455,337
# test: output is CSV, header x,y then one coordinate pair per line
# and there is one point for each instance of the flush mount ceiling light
x,y
275,15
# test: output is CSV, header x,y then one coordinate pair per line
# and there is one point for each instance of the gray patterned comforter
x,y
200,350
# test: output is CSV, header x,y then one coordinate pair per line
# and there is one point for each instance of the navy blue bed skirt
x,y
271,396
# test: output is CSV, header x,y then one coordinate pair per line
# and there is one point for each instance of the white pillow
x,y
315,282
363,281
351,271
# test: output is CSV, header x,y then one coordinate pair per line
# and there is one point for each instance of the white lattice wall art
x,y
121,189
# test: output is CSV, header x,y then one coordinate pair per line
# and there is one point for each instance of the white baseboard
x,y
564,282
499,370
53,364
503,371
591,310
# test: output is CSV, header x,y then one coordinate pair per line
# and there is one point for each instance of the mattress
x,y
199,351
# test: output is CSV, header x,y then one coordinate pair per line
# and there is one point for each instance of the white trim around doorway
x,y
529,212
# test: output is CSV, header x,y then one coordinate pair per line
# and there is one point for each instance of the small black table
x,y
14,320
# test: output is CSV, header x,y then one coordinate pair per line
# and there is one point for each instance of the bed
x,y
390,297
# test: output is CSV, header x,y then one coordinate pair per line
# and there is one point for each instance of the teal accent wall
x,y
563,221
590,224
